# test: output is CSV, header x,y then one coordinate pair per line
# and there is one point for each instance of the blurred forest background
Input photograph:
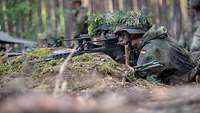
x,y
29,19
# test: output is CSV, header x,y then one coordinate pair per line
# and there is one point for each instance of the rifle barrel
x,y
75,39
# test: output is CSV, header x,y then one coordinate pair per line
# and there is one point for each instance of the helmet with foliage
x,y
129,21
99,22
133,22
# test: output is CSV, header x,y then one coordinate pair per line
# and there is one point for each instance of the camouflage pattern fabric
x,y
176,62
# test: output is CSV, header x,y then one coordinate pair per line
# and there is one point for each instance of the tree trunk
x,y
134,4
49,24
115,4
30,16
5,18
142,4
164,13
2,25
39,13
57,16
68,20
101,6
177,19
9,20
127,4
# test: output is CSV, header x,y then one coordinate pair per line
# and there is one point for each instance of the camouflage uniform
x,y
175,63
125,40
194,11
113,49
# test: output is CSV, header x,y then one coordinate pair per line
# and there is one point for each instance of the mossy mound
x,y
87,72
13,65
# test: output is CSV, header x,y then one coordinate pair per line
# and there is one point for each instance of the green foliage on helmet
x,y
96,20
119,18
132,18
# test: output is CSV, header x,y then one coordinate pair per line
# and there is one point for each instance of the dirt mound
x,y
88,74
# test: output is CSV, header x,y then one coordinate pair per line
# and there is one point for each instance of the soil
x,y
95,83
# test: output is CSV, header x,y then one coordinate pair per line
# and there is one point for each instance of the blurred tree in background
x,y
52,18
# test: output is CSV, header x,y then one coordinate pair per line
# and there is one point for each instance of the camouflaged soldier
x,y
80,15
131,36
173,63
110,42
101,32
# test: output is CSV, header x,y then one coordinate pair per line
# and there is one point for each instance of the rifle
x,y
85,45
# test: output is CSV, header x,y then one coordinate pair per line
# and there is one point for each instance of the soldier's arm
x,y
149,62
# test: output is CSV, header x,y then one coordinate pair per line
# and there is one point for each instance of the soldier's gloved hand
x,y
129,74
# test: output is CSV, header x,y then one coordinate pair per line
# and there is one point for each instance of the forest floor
x,y
92,76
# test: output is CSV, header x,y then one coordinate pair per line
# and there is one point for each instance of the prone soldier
x,y
129,35
176,64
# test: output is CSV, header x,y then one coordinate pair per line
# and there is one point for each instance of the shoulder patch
x,y
142,51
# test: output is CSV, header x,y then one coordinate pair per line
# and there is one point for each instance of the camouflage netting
x,y
120,18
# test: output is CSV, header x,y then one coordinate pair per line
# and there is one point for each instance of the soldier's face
x,y
101,35
135,40
123,38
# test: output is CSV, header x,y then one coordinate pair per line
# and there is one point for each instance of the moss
x,y
39,53
3,58
45,67
106,67
8,68
85,58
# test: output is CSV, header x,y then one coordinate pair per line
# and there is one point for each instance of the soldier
x,y
160,58
106,38
173,63
80,15
130,35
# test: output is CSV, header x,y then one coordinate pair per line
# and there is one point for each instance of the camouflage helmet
x,y
129,29
103,27
133,22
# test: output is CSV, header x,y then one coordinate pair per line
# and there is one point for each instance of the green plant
x,y
94,20
45,67
85,58
106,67
125,18
39,53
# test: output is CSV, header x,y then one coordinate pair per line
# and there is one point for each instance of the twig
x,y
59,86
